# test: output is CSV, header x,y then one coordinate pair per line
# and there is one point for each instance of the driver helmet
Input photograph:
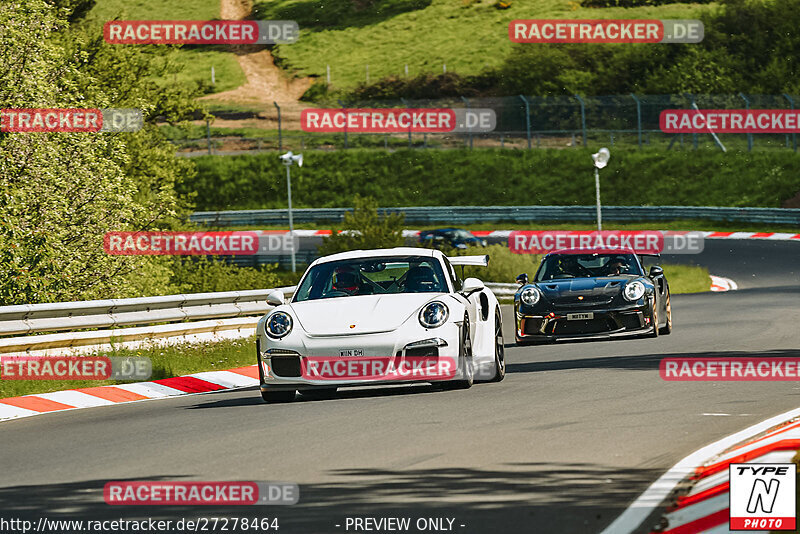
x,y
345,279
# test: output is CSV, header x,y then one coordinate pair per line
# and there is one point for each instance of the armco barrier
x,y
454,215
234,312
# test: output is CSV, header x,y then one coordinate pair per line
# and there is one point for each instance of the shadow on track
x,y
640,362
520,497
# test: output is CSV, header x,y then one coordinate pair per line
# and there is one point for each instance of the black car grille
x,y
589,326
288,366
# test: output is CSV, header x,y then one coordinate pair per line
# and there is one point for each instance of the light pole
x,y
600,160
288,160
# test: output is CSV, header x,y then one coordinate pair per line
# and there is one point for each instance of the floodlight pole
x,y
597,190
291,222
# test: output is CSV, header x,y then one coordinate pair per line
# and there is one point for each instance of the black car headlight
x,y
278,325
633,291
433,314
530,296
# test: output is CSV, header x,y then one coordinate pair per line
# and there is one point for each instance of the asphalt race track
x,y
574,433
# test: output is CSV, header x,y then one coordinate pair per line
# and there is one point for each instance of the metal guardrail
x,y
453,215
184,315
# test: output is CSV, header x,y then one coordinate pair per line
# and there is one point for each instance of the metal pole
x,y
466,103
208,135
405,104
345,121
291,222
280,132
527,120
794,135
749,135
583,118
597,190
638,118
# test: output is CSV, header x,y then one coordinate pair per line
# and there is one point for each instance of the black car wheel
x,y
499,350
278,396
667,328
465,361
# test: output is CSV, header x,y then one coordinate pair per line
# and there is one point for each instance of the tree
x,y
363,228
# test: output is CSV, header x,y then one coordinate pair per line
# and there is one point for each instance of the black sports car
x,y
580,294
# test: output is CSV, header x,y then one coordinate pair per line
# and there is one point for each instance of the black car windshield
x,y
556,266
372,276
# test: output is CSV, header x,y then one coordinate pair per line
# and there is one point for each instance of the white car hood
x,y
363,314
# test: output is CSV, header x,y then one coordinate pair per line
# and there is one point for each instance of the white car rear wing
x,y
477,261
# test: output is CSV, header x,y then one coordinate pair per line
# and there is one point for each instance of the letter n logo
x,y
763,496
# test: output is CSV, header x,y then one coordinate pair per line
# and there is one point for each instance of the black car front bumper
x,y
603,324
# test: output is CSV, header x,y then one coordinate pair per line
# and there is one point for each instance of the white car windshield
x,y
371,276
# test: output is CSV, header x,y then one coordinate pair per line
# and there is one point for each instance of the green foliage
x,y
504,266
334,13
61,192
482,177
364,229
191,275
637,3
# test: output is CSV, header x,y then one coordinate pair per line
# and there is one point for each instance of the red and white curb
x,y
769,236
704,508
206,382
720,283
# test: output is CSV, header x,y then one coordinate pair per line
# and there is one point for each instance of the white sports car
x,y
380,316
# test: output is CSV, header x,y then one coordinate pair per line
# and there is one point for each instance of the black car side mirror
x,y
522,279
656,270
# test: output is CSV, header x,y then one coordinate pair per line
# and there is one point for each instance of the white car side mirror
x,y
471,285
275,298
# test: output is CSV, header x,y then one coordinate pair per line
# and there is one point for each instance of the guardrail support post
x,y
583,118
794,135
280,132
749,135
527,120
638,118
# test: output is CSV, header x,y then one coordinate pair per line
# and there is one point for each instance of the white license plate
x,y
351,352
579,316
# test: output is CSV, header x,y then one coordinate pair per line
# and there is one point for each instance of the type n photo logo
x,y
763,496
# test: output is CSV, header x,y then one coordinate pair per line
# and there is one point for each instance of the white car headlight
x,y
433,314
633,291
530,296
278,325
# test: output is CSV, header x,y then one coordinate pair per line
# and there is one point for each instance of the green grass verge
x,y
167,362
484,177
467,35
196,61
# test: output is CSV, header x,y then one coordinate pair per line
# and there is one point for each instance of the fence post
x,y
405,104
638,118
527,119
280,130
794,135
583,118
749,135
466,103
345,120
